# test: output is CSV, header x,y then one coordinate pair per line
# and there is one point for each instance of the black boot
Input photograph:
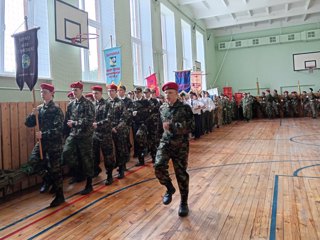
x,y
121,172
184,209
45,184
141,161
59,199
109,179
167,198
88,189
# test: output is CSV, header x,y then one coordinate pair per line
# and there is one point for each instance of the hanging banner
x,y
196,82
152,83
112,58
26,50
183,80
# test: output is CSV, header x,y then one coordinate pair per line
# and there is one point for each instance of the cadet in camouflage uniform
x,y
286,102
78,147
129,105
177,120
140,114
50,135
275,103
102,136
246,103
269,104
152,123
118,118
313,107
263,104
294,103
305,103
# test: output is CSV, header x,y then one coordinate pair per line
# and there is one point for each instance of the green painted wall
x,y
271,64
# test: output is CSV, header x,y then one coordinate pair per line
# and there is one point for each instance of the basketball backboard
x,y
306,61
70,22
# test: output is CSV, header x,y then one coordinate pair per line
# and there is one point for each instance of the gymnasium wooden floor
x,y
256,180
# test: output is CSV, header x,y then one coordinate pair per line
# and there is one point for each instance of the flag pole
x,y
34,100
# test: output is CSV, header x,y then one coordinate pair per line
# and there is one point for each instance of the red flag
x,y
152,83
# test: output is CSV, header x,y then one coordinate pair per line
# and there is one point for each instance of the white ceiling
x,y
235,16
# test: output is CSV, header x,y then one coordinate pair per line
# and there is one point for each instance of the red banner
x,y
152,83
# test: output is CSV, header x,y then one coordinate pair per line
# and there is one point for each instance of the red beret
x,y
170,85
89,95
112,87
47,86
70,94
96,88
285,92
76,85
268,90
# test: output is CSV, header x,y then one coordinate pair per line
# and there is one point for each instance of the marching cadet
x,y
177,122
152,123
269,104
246,103
129,105
78,147
70,96
90,97
50,134
294,103
312,99
286,101
118,118
263,104
305,103
140,115
276,102
102,136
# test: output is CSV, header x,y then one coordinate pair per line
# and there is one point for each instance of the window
x,y
291,37
141,40
255,41
12,18
186,45
201,56
272,40
238,43
91,58
168,44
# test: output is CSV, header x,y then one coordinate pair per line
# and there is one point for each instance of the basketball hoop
x,y
310,69
84,37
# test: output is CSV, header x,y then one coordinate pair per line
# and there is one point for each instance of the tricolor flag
x,y
26,50
183,80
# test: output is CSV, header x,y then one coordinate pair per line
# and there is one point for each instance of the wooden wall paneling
x,y
6,139
23,140
15,149
30,142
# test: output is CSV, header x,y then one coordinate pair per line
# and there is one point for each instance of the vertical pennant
x,y
26,50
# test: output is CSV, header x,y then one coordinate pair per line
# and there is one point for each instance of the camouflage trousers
x,y
140,139
103,142
153,139
121,144
50,167
177,151
313,108
78,152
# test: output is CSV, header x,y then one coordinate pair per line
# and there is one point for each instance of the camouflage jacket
x,y
142,107
50,122
181,120
101,107
82,112
117,113
129,107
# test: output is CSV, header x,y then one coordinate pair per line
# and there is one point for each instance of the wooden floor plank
x,y
232,185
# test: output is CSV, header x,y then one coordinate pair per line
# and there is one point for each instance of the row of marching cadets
x,y
289,105
91,124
